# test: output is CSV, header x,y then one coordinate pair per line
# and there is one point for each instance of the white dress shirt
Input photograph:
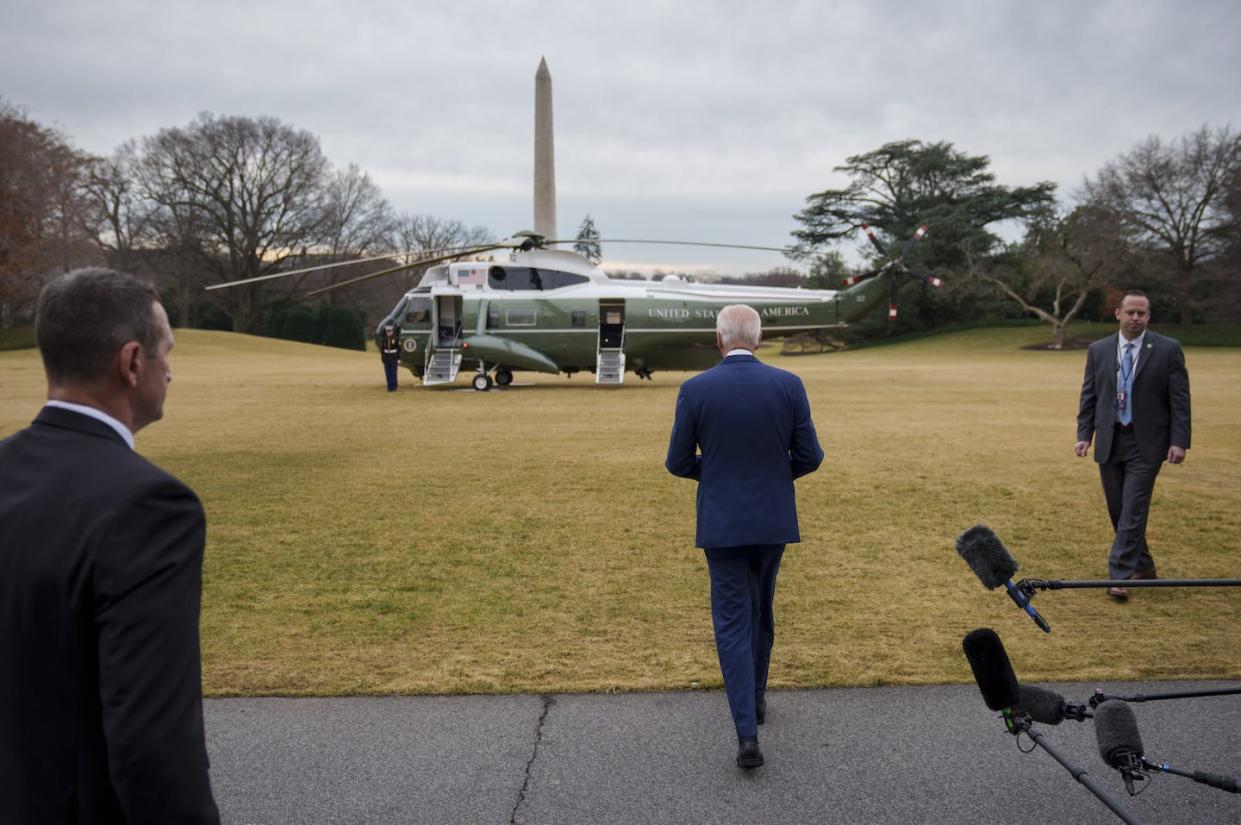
x,y
98,415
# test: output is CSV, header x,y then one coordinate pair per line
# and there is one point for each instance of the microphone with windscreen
x,y
1000,690
1120,745
991,562
992,671
1047,706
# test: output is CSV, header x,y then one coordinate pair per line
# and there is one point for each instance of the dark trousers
x,y
390,374
1128,482
743,589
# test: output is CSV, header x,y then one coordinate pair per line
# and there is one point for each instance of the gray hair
x,y
84,317
739,326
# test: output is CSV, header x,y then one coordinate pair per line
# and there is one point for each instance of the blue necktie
x,y
1126,385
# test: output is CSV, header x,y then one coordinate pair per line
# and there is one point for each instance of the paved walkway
x,y
859,756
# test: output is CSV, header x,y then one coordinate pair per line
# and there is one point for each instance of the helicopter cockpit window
x,y
418,311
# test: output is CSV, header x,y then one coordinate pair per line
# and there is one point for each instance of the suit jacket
x,y
753,425
101,552
1160,398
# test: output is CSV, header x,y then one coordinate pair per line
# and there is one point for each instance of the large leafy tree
x,y
41,210
903,184
1172,198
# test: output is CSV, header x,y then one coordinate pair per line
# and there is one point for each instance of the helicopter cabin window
x,y
555,280
516,278
418,311
521,278
578,318
521,317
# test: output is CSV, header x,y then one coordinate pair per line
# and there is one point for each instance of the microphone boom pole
x,y
1223,783
1100,697
1079,774
1028,586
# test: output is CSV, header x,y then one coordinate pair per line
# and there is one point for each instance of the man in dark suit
x,y
1135,404
101,553
752,424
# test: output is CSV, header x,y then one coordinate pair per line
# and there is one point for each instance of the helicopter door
x,y
444,355
610,357
446,320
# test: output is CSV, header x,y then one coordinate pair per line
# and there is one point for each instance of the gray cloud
x,y
705,119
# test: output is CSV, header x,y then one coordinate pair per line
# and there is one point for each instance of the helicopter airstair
x,y
442,367
610,367
610,356
444,353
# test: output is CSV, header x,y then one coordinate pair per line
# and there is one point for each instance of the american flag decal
x,y
471,277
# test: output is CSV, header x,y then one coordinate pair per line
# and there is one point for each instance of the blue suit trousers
x,y
743,589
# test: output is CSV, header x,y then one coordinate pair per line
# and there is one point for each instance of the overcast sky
x,y
683,120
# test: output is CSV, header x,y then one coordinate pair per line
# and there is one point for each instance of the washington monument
x,y
544,155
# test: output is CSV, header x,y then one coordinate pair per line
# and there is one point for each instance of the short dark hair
x,y
1136,293
84,317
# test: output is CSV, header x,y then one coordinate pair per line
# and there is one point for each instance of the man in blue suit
x,y
752,425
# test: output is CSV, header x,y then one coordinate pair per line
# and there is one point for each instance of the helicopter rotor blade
x,y
912,242
276,275
443,254
784,249
930,280
870,233
853,280
411,265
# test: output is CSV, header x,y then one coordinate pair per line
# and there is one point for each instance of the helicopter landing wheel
x,y
482,382
504,376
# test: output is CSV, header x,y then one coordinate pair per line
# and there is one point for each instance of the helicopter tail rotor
x,y
897,263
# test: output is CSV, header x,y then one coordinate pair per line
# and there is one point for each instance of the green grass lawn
x,y
17,338
530,540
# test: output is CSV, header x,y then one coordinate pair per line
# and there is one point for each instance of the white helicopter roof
x,y
473,275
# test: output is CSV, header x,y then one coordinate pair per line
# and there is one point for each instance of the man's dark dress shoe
x,y
760,711
749,756
1120,594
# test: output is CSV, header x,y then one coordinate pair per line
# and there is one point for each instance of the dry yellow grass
x,y
530,540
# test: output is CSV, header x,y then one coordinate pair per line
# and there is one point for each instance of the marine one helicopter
x,y
553,311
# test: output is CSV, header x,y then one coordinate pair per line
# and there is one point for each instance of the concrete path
x,y
859,756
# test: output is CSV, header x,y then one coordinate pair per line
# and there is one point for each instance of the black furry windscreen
x,y
987,556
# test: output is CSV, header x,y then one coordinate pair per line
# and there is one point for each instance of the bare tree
x,y
119,217
1170,198
357,219
419,233
1056,267
239,195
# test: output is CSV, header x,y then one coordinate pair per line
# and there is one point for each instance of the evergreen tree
x,y
587,244
903,184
